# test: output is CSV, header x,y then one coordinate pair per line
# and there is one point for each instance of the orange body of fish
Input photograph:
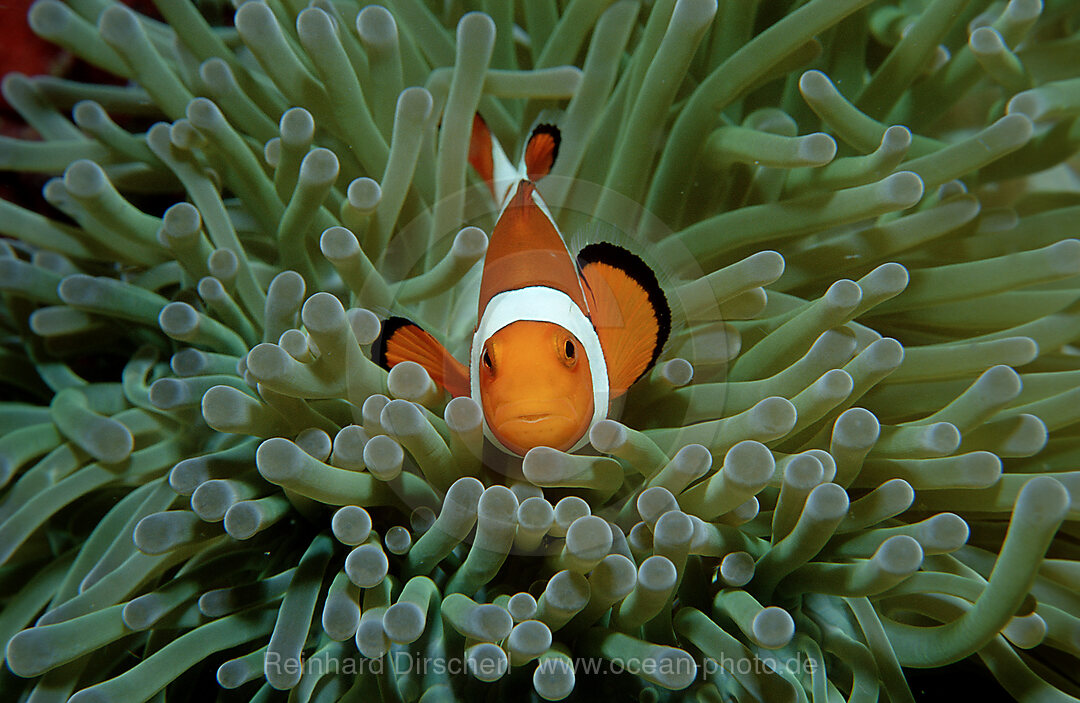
x,y
558,337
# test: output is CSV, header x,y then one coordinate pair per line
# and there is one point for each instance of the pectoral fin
x,y
628,309
403,340
481,154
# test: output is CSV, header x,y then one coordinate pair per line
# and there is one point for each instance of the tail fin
x,y
541,150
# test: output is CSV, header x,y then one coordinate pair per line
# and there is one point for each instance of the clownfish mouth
x,y
535,417
535,421
520,426
532,412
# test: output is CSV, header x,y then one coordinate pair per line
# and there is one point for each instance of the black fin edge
x,y
639,271
389,327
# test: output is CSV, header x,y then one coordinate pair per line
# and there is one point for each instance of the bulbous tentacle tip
x,y
903,189
942,438
314,26
323,312
85,179
80,290
677,372
351,524
674,528
815,85
232,674
750,463
297,127
654,502
675,668
774,416
338,244
553,679
414,105
49,18
542,464
773,628
528,640
253,19
409,381
607,436
25,652
1043,500
217,76
170,393
402,418
1011,131
835,384
900,555
589,538
243,520
118,24
470,244
403,622
205,115
90,115
371,639
398,540
367,565
657,573
277,458
497,504
897,138
804,472
489,622
463,414
737,569
15,86
178,320
1030,103
384,457
986,40
476,27
376,27
816,149
486,661
694,459
889,279
319,167
1064,257
522,607
827,502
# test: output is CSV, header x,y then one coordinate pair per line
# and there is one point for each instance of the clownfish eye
x,y
567,351
486,358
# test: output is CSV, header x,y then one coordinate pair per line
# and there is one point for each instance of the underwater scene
x,y
723,351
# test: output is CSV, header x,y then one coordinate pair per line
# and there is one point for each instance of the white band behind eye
x,y
541,304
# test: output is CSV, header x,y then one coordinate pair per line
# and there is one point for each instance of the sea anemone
x,y
853,460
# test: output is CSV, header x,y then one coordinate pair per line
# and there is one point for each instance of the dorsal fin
x,y
403,340
541,150
527,250
629,310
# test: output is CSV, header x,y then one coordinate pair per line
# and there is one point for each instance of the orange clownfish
x,y
557,337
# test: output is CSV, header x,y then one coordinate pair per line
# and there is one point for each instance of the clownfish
x,y
558,337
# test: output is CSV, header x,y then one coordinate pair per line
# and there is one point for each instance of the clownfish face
x,y
535,386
